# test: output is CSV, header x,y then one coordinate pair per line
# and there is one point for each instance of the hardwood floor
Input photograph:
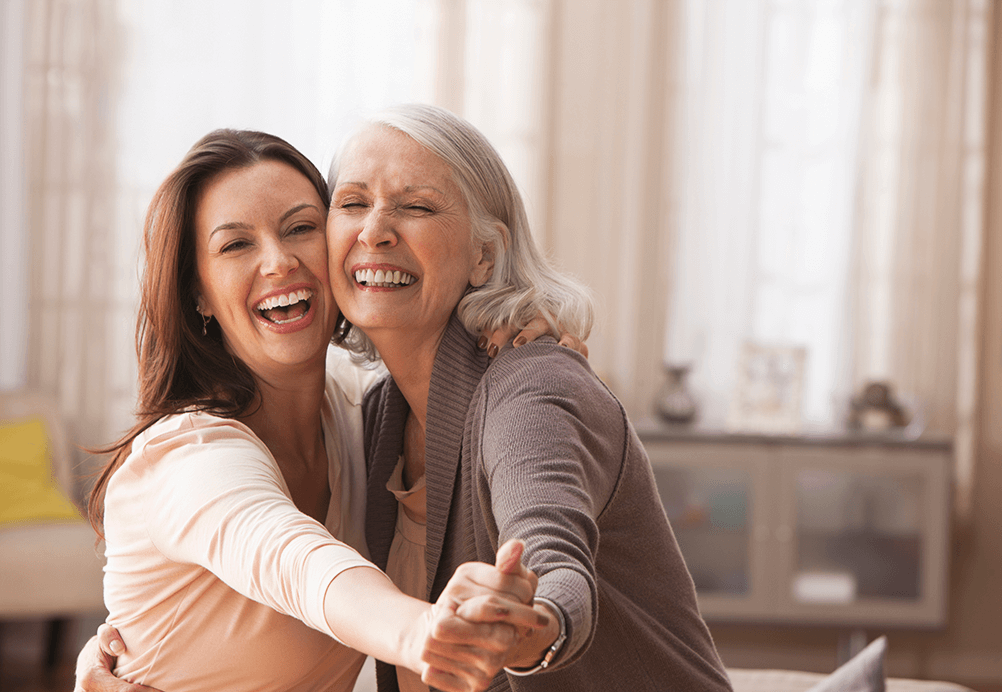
x,y
23,652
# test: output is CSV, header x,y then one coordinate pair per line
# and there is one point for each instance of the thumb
x,y
509,557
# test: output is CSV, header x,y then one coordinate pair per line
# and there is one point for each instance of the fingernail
x,y
482,343
116,647
519,340
492,351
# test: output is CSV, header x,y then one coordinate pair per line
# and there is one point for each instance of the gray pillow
x,y
864,672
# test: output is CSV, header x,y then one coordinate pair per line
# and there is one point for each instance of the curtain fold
x,y
918,237
69,81
611,172
13,235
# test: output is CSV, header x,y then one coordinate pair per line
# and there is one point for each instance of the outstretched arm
x,y
370,614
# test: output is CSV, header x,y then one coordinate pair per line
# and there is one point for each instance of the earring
x,y
205,319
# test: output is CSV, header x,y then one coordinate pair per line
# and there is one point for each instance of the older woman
x,y
429,244
232,510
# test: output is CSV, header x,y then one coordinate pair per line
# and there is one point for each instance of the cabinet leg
x,y
54,640
850,643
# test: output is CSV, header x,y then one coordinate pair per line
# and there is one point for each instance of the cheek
x,y
211,286
318,262
339,243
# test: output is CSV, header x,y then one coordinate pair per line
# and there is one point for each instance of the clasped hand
x,y
478,621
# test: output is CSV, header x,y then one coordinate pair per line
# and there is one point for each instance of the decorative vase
x,y
675,403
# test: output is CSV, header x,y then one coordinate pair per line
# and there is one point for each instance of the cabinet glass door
x,y
709,512
863,531
858,537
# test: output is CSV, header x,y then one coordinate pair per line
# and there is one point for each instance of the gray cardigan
x,y
534,446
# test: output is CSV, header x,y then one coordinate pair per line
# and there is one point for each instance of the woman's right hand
x,y
466,653
96,661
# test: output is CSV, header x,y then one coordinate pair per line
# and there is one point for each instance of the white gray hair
x,y
523,283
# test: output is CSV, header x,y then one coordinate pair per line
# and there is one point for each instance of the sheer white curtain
x,y
833,199
773,170
68,72
778,107
13,252
919,231
771,110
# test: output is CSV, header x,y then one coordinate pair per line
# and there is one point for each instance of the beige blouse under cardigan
x,y
406,563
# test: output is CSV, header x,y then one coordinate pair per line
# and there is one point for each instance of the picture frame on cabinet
x,y
768,389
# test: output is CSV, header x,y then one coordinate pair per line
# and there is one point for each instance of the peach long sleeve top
x,y
213,577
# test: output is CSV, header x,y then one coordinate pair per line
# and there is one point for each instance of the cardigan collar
x,y
459,367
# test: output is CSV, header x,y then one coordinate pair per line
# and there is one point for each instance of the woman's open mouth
x,y
286,308
380,278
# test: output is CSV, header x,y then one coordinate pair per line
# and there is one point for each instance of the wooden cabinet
x,y
834,530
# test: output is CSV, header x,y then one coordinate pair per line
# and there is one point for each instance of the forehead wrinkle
x,y
413,188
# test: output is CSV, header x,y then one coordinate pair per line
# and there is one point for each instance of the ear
x,y
483,268
201,307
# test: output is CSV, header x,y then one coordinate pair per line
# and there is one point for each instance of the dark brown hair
x,y
179,368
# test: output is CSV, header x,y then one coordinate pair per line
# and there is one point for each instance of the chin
x,y
300,359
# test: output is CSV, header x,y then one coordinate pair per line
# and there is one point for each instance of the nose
x,y
378,232
277,260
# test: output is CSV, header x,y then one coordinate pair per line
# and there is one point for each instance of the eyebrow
x,y
407,188
231,225
298,208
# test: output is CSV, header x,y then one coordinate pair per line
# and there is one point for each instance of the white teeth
x,y
383,279
285,300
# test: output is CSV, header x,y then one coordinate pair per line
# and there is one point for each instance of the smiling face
x,y
399,238
261,263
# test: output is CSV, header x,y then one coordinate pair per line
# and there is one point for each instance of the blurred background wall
x,y
823,174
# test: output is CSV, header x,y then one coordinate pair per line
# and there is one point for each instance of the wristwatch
x,y
555,647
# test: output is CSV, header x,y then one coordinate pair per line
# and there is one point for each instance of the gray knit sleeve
x,y
550,451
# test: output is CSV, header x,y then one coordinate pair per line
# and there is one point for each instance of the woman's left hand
x,y
493,341
96,661
496,604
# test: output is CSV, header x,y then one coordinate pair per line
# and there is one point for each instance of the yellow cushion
x,y
28,492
